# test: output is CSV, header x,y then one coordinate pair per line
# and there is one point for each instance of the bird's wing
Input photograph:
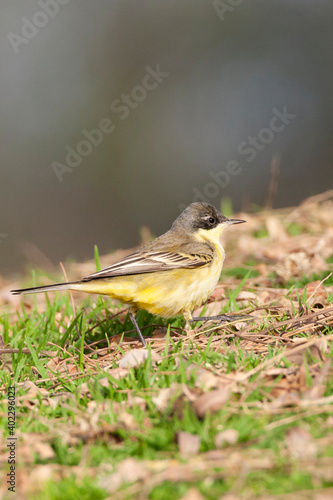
x,y
147,262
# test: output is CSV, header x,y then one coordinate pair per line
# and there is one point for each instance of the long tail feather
x,y
47,288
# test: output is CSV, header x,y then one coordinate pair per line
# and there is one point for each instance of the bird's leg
x,y
136,326
223,318
188,319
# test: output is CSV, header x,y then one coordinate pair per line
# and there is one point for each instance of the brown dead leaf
x,y
298,263
159,333
136,357
32,389
135,401
218,293
300,443
188,444
133,358
324,495
192,494
316,294
5,358
84,390
59,399
127,420
53,363
329,422
240,325
161,401
7,297
211,401
246,298
38,476
129,470
231,496
35,443
59,365
118,339
44,451
275,229
229,436
315,350
105,382
204,379
275,372
118,373
318,387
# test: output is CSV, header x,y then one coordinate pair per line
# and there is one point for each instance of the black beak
x,y
235,221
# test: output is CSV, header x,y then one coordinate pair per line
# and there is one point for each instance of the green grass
x,y
152,434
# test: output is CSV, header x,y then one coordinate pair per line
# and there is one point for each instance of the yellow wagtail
x,y
171,275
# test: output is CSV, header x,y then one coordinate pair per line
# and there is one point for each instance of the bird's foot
x,y
223,318
138,331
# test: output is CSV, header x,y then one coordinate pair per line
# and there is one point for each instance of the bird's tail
x,y
47,288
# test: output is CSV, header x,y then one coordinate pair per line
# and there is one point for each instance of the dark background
x,y
229,64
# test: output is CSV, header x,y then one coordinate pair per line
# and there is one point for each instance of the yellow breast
x,y
169,293
166,293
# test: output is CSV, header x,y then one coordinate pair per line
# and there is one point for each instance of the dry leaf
x,y
105,382
246,296
59,365
188,444
32,389
329,422
129,470
84,390
159,333
229,436
127,420
6,358
316,294
231,496
118,339
312,350
275,229
39,475
192,494
135,401
118,373
240,325
161,401
136,357
300,443
56,400
211,401
204,379
218,293
44,450
318,387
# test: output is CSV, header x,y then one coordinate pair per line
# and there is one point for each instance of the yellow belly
x,y
164,293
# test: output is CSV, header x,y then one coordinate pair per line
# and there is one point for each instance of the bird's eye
x,y
211,220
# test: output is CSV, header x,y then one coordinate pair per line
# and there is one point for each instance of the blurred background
x,y
117,114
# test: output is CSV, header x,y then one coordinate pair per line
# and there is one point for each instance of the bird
x,y
171,275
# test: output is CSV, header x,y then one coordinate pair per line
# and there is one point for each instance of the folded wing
x,y
138,263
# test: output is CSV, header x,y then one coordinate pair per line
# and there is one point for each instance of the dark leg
x,y
223,318
136,326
